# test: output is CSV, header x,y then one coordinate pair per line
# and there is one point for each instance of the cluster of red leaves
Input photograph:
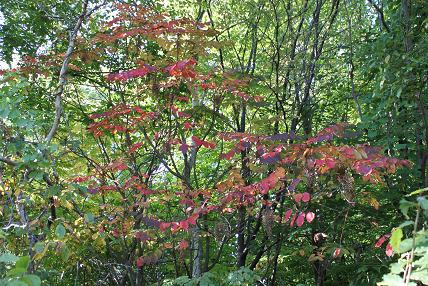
x,y
380,242
298,218
365,160
236,88
134,73
328,133
199,142
40,65
134,20
183,69
114,120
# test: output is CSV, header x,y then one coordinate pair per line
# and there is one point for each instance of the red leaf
x,y
184,148
298,197
164,225
184,224
142,236
270,158
336,253
306,197
182,68
192,219
135,147
310,217
187,125
200,142
139,72
292,220
300,219
140,261
288,214
381,240
228,155
183,245
388,251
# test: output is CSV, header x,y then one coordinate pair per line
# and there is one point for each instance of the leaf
x,y
391,280
423,202
60,231
404,207
406,245
17,283
200,142
389,251
336,252
23,262
374,203
8,258
298,197
183,245
396,236
292,220
300,219
31,280
126,75
89,218
381,240
306,197
406,223
288,214
270,158
310,216
17,271
417,192
140,261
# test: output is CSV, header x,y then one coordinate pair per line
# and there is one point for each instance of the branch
x,y
8,161
62,75
381,15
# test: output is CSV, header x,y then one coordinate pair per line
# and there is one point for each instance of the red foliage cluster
x,y
183,69
139,21
126,75
111,120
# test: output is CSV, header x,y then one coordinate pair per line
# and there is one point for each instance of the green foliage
x,y
412,267
16,271
241,277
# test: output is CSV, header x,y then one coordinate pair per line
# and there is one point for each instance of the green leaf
x,y
8,258
391,280
423,202
16,272
406,223
406,245
404,207
89,218
396,236
396,268
31,280
23,262
420,275
60,231
39,246
17,283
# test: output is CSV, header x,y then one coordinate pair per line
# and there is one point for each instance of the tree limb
x,y
62,74
379,10
8,161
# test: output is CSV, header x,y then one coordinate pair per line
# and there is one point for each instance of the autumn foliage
x,y
161,120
